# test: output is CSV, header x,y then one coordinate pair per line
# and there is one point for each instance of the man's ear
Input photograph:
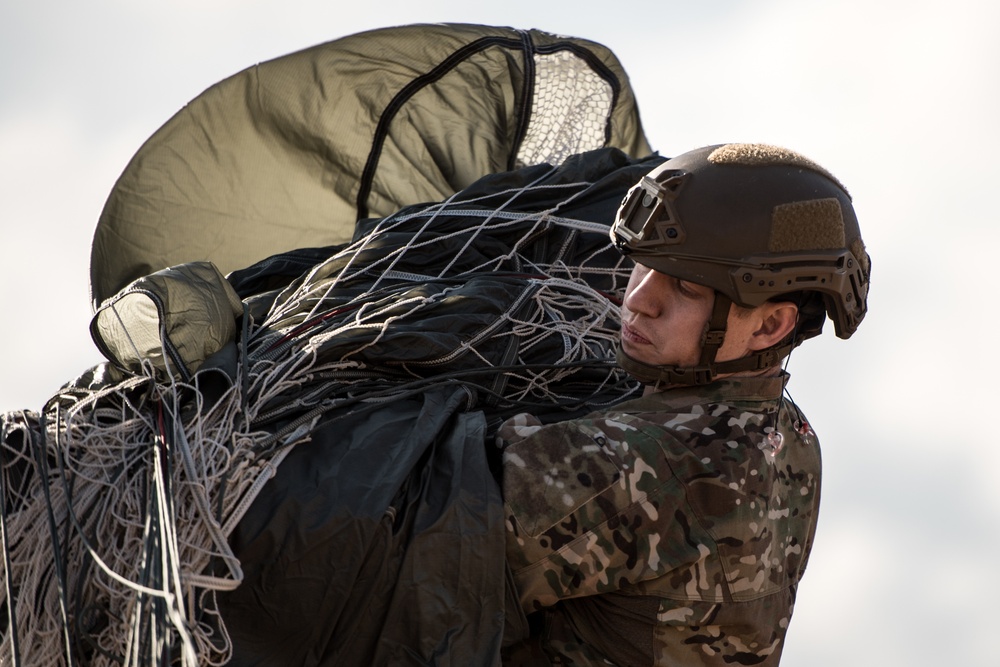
x,y
777,321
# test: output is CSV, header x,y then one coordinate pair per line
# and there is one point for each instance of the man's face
x,y
663,319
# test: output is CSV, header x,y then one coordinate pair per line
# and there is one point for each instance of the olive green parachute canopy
x,y
290,153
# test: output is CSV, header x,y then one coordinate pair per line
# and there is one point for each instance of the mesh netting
x,y
119,496
569,110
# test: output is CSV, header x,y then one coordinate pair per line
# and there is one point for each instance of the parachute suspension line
x,y
12,627
57,547
148,641
301,311
492,214
384,264
105,463
518,308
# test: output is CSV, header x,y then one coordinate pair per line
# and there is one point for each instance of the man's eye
x,y
688,289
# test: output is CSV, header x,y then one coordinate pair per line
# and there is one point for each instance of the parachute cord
x,y
242,349
59,563
159,473
8,572
479,228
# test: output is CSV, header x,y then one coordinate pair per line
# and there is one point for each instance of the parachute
x,y
291,153
321,287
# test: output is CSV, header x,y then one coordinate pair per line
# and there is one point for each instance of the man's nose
x,y
648,295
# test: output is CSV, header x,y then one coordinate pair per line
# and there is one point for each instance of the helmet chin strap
x,y
707,369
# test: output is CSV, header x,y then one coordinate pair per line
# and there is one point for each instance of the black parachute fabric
x,y
320,488
378,543
291,463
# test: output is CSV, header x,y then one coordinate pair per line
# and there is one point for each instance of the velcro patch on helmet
x,y
815,224
764,155
858,248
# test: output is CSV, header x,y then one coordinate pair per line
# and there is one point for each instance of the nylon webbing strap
x,y
715,330
697,375
650,374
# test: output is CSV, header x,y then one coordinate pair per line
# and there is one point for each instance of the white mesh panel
x,y
569,110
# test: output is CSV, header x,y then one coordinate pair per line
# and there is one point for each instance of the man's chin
x,y
647,355
641,353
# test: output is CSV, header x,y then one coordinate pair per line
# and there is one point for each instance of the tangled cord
x,y
117,500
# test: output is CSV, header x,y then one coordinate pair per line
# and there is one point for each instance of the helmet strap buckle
x,y
715,329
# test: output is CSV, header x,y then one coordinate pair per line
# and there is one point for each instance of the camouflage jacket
x,y
669,530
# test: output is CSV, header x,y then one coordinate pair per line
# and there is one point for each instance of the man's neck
x,y
771,371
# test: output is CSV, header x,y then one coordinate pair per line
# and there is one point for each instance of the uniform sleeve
x,y
592,506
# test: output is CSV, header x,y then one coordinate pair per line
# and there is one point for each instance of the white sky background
x,y
900,99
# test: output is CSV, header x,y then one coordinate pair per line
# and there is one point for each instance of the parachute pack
x,y
321,287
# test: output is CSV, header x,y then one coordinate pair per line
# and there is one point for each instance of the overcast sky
x,y
899,99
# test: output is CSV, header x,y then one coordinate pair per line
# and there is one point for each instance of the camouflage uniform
x,y
670,530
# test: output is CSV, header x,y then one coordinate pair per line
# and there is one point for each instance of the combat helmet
x,y
756,223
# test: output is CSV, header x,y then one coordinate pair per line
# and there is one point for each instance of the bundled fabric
x,y
286,459
319,489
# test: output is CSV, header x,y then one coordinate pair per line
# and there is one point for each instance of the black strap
x,y
708,368
715,329
699,375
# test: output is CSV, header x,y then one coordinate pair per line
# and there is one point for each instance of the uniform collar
x,y
727,390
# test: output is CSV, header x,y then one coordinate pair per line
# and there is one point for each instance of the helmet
x,y
756,223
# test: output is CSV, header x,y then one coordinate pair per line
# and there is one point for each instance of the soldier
x,y
673,528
